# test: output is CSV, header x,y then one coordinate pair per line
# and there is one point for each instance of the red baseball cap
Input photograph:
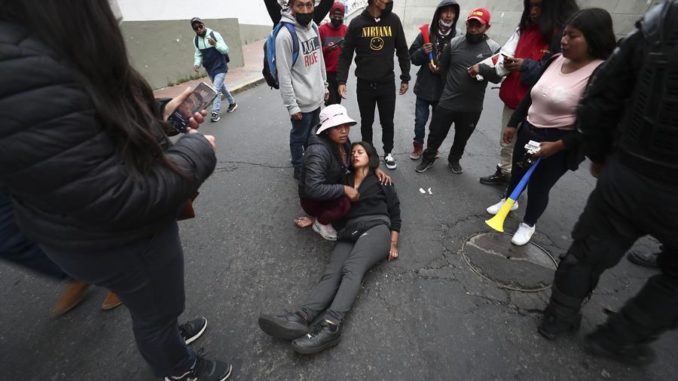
x,y
480,14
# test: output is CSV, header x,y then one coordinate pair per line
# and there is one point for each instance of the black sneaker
x,y
232,107
497,178
205,370
192,330
424,166
551,326
287,326
455,167
215,117
390,161
325,335
598,344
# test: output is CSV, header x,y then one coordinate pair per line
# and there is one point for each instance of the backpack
x,y
270,70
195,42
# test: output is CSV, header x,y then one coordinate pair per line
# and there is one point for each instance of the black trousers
x,y
383,96
339,286
442,120
624,206
545,176
333,88
148,276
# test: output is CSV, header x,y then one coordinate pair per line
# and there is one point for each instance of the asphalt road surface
x,y
426,316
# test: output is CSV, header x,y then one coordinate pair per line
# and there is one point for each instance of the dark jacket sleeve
x,y
602,106
417,54
274,9
316,186
74,157
393,206
346,54
321,10
445,58
403,55
531,70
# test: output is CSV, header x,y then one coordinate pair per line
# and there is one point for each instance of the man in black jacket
x,y
429,85
629,127
375,35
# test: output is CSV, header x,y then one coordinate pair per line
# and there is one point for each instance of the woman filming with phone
x,y
93,177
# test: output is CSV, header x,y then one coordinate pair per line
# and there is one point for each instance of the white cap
x,y
333,116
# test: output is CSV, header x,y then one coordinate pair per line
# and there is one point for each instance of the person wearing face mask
x,y
374,36
210,50
429,85
465,82
303,82
275,10
332,35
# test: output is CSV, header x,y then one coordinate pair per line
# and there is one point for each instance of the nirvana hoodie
x,y
302,83
374,41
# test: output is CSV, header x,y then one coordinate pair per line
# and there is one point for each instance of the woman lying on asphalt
x,y
548,111
326,167
370,234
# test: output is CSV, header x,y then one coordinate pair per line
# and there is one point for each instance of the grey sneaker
x,y
455,167
424,166
215,117
390,161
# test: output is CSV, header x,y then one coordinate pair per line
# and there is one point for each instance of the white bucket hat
x,y
332,116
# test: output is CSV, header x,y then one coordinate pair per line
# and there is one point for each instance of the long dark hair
x,y
553,16
596,26
85,34
372,154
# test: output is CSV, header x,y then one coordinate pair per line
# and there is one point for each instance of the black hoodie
x,y
374,41
429,85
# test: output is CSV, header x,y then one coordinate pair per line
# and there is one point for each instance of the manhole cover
x,y
521,268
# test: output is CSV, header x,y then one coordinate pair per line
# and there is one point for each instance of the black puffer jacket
x,y
429,86
323,173
70,187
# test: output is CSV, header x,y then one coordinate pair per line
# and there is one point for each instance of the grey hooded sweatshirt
x,y
302,83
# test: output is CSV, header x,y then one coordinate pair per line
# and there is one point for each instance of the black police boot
x,y
325,335
600,343
554,324
497,178
287,326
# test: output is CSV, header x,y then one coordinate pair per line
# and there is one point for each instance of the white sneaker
x,y
390,161
523,235
494,209
325,231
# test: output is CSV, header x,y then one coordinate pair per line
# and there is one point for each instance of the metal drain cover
x,y
522,268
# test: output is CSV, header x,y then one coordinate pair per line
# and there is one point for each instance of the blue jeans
x,y
220,86
421,114
17,248
299,135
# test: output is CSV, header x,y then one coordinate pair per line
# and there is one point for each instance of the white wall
x,y
247,11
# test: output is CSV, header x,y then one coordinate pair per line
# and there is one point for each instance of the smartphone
x,y
507,59
202,96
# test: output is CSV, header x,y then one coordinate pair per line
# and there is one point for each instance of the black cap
x,y
195,20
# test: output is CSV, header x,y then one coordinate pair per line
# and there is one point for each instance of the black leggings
x,y
382,95
545,176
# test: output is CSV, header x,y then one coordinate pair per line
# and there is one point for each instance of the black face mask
x,y
336,23
475,38
387,11
303,18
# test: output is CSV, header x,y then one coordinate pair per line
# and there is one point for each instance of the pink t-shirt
x,y
556,95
